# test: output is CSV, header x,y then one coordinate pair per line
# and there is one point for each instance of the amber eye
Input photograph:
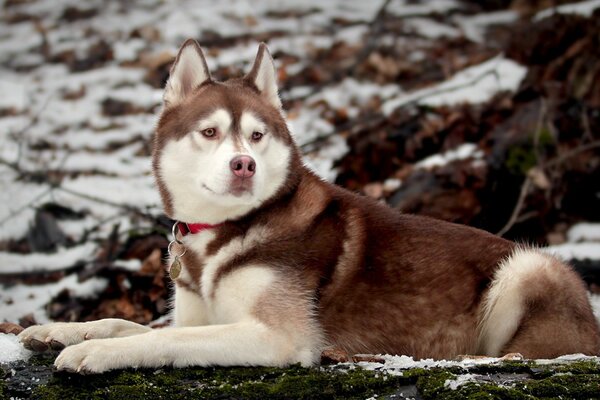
x,y
256,136
209,132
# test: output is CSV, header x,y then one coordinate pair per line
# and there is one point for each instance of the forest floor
x,y
484,113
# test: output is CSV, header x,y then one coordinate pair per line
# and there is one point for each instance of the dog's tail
x,y
536,306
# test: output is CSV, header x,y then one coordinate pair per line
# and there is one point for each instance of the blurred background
x,y
485,113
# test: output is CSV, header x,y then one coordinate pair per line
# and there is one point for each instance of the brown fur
x,y
379,281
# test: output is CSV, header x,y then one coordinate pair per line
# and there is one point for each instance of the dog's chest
x,y
227,289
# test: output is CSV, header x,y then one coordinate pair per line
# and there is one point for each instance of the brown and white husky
x,y
273,265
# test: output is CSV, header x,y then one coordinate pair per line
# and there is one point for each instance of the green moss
x,y
208,383
522,157
507,380
432,384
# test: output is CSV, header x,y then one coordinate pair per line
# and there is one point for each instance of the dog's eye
x,y
256,136
209,132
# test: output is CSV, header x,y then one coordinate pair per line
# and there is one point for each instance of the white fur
x,y
226,253
197,175
266,80
247,342
504,305
70,333
189,309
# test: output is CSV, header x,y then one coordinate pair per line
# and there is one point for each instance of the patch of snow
x,y
14,94
584,8
128,50
567,359
460,380
15,214
431,29
585,231
476,84
391,184
404,8
19,300
11,349
595,302
322,161
462,152
129,265
13,263
576,251
474,26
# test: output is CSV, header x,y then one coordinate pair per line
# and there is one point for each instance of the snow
x,y
583,243
431,29
475,26
584,8
395,365
403,8
14,95
13,263
462,152
11,349
584,231
460,380
20,299
476,84
578,251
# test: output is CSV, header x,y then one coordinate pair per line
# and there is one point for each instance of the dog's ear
x,y
263,76
187,73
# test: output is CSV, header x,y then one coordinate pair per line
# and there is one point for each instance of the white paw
x,y
91,357
55,336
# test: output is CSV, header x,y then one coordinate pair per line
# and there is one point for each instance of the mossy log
x,y
580,379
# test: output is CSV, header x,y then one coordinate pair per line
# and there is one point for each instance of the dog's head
x,y
221,149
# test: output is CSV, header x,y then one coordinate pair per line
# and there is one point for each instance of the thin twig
x,y
517,210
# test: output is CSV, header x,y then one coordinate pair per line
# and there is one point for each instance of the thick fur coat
x,y
287,265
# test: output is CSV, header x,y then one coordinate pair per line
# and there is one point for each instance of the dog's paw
x,y
55,336
91,357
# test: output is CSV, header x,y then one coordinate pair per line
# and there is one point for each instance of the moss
x,y
208,383
522,157
507,380
432,384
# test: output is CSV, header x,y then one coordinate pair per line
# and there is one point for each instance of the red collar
x,y
186,228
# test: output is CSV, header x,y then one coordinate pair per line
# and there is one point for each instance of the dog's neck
x,y
192,228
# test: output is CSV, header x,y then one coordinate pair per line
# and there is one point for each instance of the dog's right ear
x,y
187,73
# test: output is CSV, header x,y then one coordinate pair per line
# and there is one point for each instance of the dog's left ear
x,y
263,76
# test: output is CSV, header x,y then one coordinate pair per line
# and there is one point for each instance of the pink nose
x,y
243,166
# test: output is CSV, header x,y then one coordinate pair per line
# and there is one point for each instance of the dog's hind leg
x,y
59,335
537,306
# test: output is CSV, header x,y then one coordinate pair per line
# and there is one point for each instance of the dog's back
x,y
273,265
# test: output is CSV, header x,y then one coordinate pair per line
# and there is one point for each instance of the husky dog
x,y
272,265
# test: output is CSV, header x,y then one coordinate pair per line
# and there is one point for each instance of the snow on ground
x,y
462,152
585,8
20,300
11,350
583,242
395,365
475,84
12,263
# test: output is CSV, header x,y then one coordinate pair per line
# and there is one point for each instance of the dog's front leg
x,y
244,343
59,335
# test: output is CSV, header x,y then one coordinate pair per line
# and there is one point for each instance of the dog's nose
x,y
243,166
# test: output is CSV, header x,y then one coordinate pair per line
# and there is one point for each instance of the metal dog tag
x,y
175,269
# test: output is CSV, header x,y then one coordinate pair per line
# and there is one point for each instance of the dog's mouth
x,y
237,188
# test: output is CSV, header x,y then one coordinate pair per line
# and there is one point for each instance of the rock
x,y
561,378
